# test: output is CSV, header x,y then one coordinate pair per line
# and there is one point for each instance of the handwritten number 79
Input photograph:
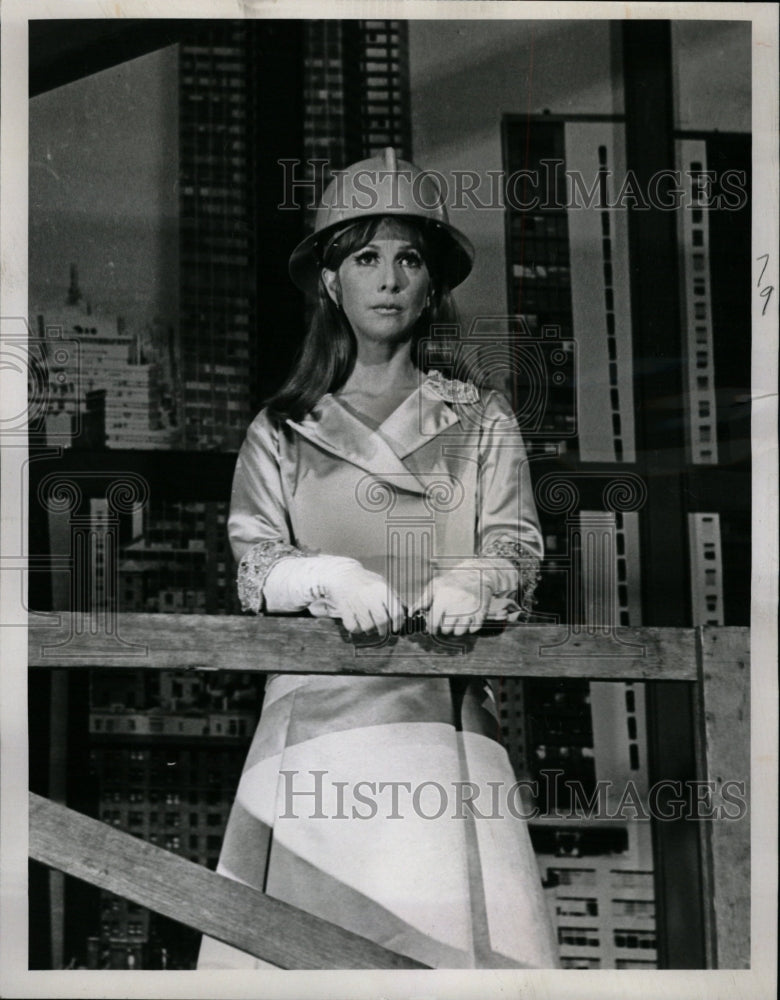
x,y
765,291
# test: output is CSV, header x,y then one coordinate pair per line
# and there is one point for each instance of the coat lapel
x,y
422,416
333,428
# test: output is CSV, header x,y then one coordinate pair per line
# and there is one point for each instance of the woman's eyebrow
x,y
374,246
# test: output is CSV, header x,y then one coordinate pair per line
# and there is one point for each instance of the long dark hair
x,y
329,349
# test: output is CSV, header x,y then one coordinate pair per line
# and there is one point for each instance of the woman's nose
x,y
389,277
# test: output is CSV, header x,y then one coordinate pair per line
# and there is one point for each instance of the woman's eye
x,y
411,259
365,257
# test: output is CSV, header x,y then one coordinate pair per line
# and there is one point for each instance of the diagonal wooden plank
x,y
308,645
177,888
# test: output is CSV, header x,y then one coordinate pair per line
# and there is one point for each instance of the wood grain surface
x,y
307,645
193,895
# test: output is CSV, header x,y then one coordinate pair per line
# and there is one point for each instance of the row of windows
x,y
588,937
172,842
195,796
232,727
191,125
624,878
582,937
112,774
160,761
215,80
585,906
138,818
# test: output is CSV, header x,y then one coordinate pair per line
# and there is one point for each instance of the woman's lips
x,y
386,309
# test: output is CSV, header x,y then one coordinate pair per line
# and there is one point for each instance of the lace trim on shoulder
x,y
526,564
254,568
449,389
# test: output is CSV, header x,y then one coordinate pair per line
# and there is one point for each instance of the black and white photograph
x,y
389,499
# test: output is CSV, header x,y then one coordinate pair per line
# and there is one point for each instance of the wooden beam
x,y
319,646
723,758
193,895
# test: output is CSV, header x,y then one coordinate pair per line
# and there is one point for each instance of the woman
x,y
369,491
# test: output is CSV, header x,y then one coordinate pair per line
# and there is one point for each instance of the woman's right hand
x,y
336,587
363,600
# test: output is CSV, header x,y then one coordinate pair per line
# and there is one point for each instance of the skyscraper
x,y
356,94
217,281
385,118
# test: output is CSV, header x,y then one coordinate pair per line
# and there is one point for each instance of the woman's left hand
x,y
455,602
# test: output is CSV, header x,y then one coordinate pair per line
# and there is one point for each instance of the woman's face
x,y
382,286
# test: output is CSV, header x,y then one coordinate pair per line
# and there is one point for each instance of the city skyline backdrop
x,y
472,104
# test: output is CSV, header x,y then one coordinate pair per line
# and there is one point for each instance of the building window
x,y
582,937
633,908
576,907
634,939
572,876
571,962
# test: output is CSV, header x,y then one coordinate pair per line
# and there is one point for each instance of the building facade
x,y
166,755
217,284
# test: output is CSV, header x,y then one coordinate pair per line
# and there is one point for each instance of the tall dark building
x,y
218,293
385,118
356,93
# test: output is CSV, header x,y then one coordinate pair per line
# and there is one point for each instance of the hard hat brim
x,y
455,251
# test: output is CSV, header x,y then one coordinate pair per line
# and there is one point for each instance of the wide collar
x,y
430,410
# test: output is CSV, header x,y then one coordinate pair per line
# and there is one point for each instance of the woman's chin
x,y
387,330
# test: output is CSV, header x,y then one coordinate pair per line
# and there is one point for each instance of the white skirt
x,y
388,805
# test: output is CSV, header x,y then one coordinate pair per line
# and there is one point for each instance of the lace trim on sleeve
x,y
526,564
254,568
451,390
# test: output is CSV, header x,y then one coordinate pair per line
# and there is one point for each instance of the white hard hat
x,y
377,187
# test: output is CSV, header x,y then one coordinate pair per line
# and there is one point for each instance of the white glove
x,y
458,600
335,587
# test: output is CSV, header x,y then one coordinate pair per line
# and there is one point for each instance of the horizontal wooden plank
x,y
193,895
308,645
